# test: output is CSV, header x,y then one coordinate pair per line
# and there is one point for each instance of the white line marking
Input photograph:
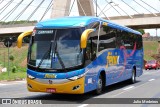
x,y
146,73
21,81
128,88
2,84
151,80
83,105
12,83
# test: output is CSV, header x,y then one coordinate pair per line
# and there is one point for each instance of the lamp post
x,y
96,8
156,32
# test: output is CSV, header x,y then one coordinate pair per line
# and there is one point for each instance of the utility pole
x,y
4,59
96,8
8,58
156,32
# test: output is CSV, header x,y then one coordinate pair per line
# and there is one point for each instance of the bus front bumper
x,y
71,87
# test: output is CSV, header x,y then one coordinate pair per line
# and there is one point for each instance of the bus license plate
x,y
51,90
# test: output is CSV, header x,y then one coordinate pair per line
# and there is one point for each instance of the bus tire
x,y
100,85
133,78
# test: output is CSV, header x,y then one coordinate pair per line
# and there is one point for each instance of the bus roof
x,y
79,21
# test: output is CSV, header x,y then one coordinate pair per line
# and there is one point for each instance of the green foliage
x,y
14,69
20,73
141,31
12,76
11,58
150,48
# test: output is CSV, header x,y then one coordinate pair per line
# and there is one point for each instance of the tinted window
x,y
128,40
139,42
107,38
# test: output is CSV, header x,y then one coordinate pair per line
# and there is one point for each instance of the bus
x,y
76,55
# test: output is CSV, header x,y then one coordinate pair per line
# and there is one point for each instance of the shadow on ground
x,y
76,98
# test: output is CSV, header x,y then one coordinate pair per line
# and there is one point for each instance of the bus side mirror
x,y
21,36
84,37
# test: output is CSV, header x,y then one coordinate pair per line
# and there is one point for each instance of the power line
x,y
81,7
4,8
130,7
10,12
114,8
35,10
123,11
150,6
46,11
1,1
144,7
19,15
4,5
101,10
71,7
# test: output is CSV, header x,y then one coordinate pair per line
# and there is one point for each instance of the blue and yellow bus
x,y
76,55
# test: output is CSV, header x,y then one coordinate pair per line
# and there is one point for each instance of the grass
x,y
150,48
20,56
19,74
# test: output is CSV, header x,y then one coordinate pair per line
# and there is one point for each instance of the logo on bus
x,y
111,59
50,76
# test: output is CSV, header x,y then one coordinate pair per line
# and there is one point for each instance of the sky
x,y
109,10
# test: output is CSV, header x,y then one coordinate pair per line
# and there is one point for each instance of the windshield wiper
x,y
59,58
45,55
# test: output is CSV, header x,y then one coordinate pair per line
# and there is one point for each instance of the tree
x,y
141,31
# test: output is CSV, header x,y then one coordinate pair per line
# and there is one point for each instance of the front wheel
x,y
133,78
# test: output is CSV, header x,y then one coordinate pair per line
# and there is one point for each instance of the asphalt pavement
x,y
147,86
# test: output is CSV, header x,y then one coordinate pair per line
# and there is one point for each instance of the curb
x,y
23,79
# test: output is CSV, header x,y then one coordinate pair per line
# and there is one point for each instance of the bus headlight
x,y
76,77
30,76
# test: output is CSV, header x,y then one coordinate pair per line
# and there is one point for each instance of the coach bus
x,y
76,55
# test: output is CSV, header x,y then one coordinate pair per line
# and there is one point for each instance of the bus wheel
x,y
99,85
133,78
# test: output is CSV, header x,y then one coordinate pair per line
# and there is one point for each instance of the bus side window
x,y
88,50
91,50
127,39
107,38
139,41
119,41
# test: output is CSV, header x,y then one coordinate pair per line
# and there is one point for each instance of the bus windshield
x,y
56,48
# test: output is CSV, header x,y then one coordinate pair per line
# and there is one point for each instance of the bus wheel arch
x,y
101,82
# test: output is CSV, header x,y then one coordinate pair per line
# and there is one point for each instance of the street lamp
x,y
96,8
110,2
